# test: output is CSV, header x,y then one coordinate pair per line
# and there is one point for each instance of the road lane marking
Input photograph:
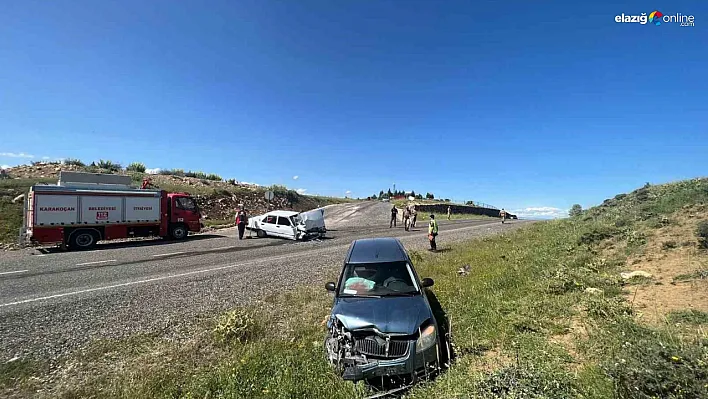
x,y
173,253
195,272
96,262
149,280
16,271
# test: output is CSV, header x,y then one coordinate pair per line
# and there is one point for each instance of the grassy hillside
x,y
542,313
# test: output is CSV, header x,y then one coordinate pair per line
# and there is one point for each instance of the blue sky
x,y
528,107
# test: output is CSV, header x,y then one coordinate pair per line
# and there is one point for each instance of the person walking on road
x,y
394,217
502,215
432,233
414,215
407,218
241,221
449,212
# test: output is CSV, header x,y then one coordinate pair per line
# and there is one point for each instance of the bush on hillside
x,y
213,176
702,233
74,162
109,165
575,210
172,172
136,167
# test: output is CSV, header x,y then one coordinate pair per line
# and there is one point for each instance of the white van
x,y
289,224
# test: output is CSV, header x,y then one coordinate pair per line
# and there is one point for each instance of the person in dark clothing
x,y
241,221
394,217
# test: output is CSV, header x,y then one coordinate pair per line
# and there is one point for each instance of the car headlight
x,y
428,337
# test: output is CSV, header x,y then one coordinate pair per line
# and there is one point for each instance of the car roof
x,y
286,214
376,250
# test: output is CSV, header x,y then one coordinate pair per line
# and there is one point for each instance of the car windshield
x,y
378,279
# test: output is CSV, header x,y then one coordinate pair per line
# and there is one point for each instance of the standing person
x,y
406,218
449,212
241,220
432,233
394,217
414,214
502,215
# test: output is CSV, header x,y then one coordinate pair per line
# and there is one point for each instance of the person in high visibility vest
x,y
433,232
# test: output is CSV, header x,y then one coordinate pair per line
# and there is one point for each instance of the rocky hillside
x,y
218,200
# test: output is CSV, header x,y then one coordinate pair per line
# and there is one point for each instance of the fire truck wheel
x,y
83,239
178,232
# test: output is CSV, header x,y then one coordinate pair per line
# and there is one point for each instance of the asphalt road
x,y
54,302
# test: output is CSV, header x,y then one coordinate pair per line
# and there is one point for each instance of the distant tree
x,y
419,196
390,194
381,194
413,194
429,196
373,197
575,210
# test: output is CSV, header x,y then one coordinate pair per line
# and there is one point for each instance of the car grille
x,y
372,346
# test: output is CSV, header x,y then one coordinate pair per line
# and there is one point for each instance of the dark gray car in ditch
x,y
382,323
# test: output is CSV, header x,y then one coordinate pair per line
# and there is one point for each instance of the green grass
x,y
689,316
522,326
11,214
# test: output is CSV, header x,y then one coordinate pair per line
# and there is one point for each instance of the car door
x,y
285,228
268,224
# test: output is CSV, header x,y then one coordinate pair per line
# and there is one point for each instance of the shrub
x,y
702,234
136,167
213,176
172,172
231,181
237,325
688,316
73,162
196,175
575,210
109,165
669,245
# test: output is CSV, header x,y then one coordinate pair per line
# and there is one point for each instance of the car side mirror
x,y
330,286
427,282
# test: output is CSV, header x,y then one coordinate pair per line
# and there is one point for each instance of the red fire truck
x,y
84,208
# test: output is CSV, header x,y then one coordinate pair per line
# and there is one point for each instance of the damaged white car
x,y
382,323
289,224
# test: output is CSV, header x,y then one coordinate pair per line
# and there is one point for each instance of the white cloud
x,y
301,190
540,212
5,166
296,177
45,158
16,155
347,192
152,171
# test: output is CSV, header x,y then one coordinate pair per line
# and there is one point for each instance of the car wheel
x,y
83,239
261,234
178,232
